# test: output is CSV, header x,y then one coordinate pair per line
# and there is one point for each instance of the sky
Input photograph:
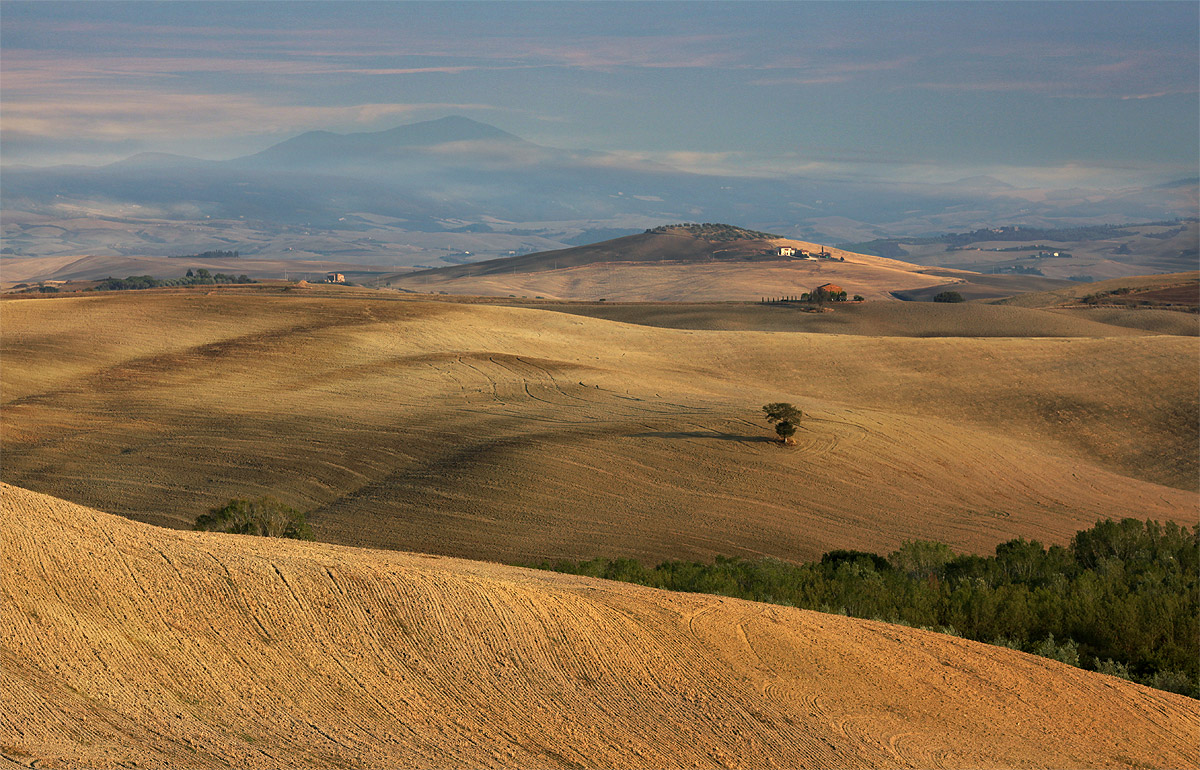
x,y
1032,93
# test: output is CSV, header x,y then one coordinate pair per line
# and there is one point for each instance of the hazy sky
x,y
1034,93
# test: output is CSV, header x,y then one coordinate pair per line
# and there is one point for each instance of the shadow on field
x,y
705,434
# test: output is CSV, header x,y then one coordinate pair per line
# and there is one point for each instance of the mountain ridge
x,y
322,145
414,183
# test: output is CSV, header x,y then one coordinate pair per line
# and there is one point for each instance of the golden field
x,y
132,646
518,434
434,431
674,268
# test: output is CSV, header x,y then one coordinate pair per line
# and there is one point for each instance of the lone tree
x,y
785,417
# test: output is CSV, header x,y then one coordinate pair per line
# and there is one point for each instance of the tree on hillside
x,y
784,417
265,516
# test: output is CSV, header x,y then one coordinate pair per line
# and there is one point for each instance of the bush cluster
x,y
201,277
1123,598
265,516
713,231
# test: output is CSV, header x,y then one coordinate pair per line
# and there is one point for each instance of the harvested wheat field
x,y
873,277
874,319
1181,288
690,263
128,645
516,434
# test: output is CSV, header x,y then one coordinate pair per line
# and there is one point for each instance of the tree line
x,y
1123,598
200,277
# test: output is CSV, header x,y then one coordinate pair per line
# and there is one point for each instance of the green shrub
x,y
1123,596
948,296
265,516
1067,652
1112,668
1173,680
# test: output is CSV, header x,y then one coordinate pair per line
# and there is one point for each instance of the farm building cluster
x,y
788,251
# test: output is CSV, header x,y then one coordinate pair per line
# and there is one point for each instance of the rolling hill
x,y
127,645
517,434
881,319
1180,290
1088,253
674,263
37,269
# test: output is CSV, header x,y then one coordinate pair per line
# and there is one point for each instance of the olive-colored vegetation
x,y
265,516
200,277
784,417
712,231
1121,599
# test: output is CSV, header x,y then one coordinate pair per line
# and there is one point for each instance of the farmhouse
x,y
787,251
831,288
335,278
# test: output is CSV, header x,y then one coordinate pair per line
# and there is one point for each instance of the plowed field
x,y
127,645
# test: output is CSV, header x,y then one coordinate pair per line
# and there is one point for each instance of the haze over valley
x,y
593,385
456,190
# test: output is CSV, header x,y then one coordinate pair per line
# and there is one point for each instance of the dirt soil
x,y
124,645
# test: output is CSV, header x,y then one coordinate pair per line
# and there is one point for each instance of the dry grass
x,y
519,434
1073,294
872,277
125,645
875,319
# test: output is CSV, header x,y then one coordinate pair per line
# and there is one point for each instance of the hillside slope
x,y
678,263
128,645
868,319
519,434
1186,285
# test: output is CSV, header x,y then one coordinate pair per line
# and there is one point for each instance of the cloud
x,y
1057,88
122,115
32,70
821,71
1155,95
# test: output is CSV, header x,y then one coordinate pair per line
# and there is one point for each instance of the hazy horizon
x,y
1033,94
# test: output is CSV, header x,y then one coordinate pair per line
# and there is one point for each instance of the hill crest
x,y
678,243
126,644
714,232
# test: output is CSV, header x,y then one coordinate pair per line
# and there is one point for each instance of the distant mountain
x,y
327,148
413,187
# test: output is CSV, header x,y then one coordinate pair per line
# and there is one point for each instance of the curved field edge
x,y
124,643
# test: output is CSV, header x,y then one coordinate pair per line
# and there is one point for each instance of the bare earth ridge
x,y
128,645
